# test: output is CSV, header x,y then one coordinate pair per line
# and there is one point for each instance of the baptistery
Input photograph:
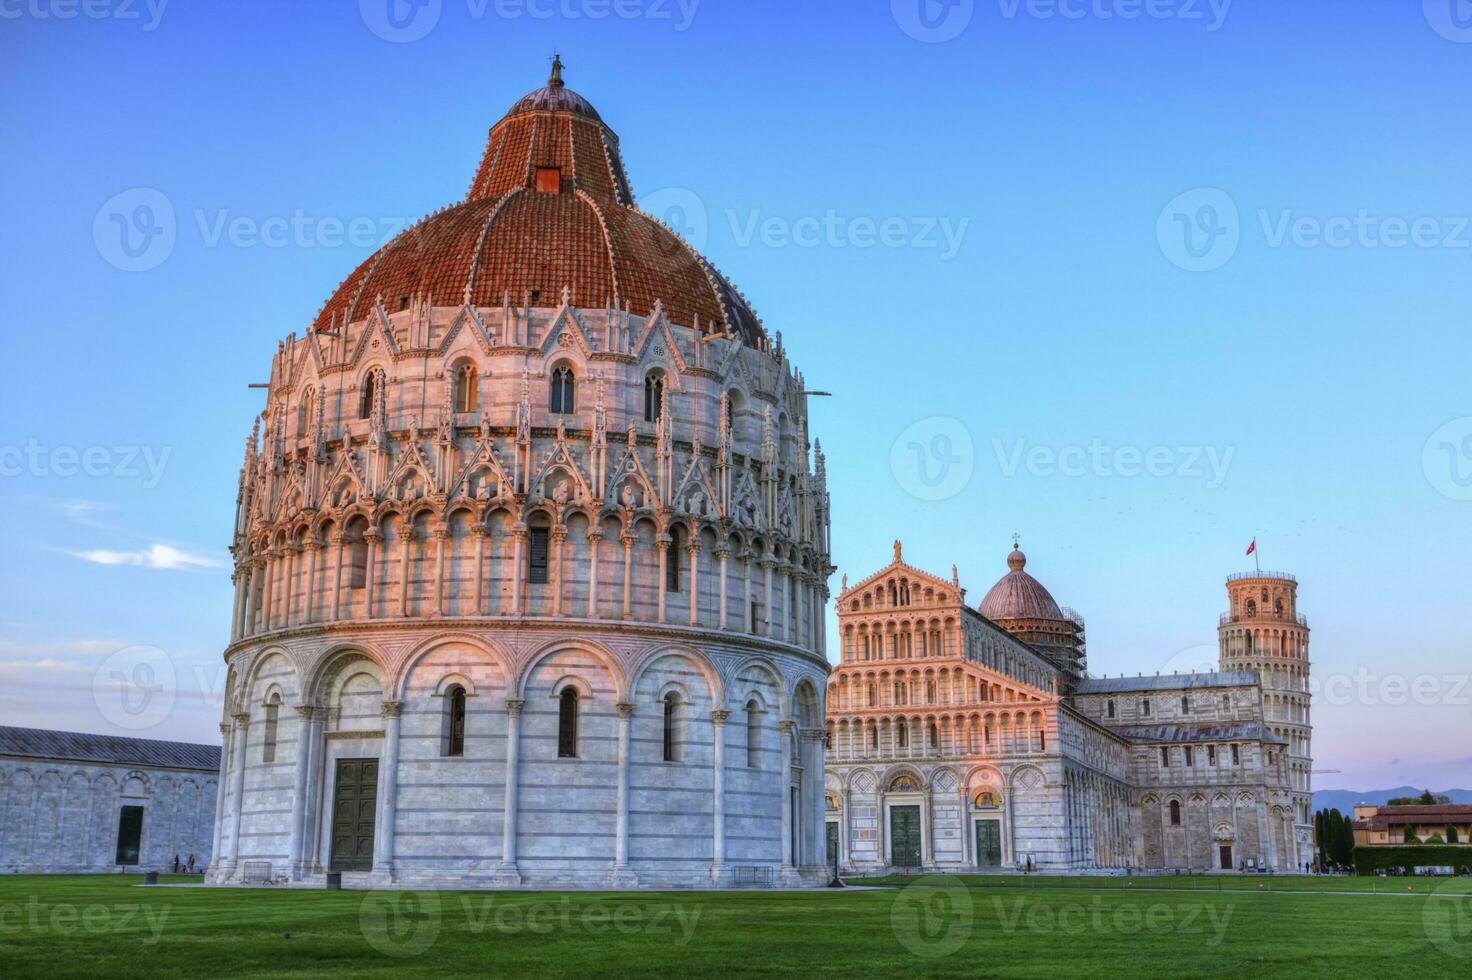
x,y
530,557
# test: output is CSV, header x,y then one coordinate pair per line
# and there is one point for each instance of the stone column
x,y
595,538
507,873
628,542
237,779
388,797
694,554
237,610
372,535
314,789
747,627
784,735
767,566
559,579
814,826
340,554
662,545
313,547
718,719
518,534
789,624
621,874
268,568
478,530
304,714
722,554
405,545
216,859
440,533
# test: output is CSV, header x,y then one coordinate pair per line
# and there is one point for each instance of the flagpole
x,y
1256,556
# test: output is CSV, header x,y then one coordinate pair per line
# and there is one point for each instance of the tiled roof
x,y
1253,731
1166,682
510,240
1399,816
1017,595
42,743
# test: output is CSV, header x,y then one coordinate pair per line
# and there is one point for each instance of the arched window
x,y
455,721
672,562
562,397
1109,708
874,738
567,723
671,724
304,413
1175,813
268,747
653,396
934,737
372,388
1185,704
1251,608
873,695
465,393
753,734
903,735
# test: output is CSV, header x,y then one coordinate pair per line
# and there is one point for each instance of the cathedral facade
x,y
966,738
531,555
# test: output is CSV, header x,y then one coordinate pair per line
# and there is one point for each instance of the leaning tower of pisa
x,y
1262,631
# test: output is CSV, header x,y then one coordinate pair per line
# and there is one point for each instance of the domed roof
x,y
550,208
1017,595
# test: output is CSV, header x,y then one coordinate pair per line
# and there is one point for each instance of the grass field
x,y
1005,926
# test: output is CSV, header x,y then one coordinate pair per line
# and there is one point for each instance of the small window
x,y
538,546
465,393
671,724
1211,755
1175,813
653,396
1190,757
273,712
357,563
567,724
753,735
1164,757
455,722
1145,707
1236,756
903,734
549,179
562,397
755,617
1185,705
1109,709
672,562
371,390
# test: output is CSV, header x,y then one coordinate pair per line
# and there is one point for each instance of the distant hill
x,y
1345,799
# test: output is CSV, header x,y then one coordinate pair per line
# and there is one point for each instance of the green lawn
x,y
1011,927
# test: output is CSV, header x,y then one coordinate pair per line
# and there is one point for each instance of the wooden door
x,y
354,802
904,836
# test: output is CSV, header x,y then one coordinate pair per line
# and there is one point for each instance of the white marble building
x,y
72,802
531,557
973,738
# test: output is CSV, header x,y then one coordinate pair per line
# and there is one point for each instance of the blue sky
x,y
970,226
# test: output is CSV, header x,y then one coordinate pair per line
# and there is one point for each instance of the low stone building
x,y
1390,826
965,738
74,802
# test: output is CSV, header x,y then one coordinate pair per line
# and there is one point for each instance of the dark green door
x,y
989,843
354,800
832,843
904,836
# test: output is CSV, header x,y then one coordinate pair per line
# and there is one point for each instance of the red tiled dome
x,y
549,207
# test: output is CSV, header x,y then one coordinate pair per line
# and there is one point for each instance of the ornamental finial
x,y
556,80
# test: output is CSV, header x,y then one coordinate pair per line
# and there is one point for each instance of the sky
x,y
1137,280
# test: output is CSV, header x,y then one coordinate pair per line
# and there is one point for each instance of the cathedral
x,y
530,557
971,738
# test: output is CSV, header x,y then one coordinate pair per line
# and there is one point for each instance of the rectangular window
x,y
130,834
1145,707
1236,756
1211,755
756,619
1190,757
536,569
357,564
1164,758
1185,705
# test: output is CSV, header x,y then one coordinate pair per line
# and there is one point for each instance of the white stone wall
x,y
62,817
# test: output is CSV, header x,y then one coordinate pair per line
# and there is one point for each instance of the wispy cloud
x,y
88,513
161,556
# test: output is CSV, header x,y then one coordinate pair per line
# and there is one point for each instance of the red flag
x,y
1252,547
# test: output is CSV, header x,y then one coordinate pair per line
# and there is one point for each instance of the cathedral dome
x,y
550,208
1017,595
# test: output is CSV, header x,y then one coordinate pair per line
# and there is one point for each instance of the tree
x,y
1346,841
1451,835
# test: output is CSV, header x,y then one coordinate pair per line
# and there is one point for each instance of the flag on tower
x,y
1252,547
